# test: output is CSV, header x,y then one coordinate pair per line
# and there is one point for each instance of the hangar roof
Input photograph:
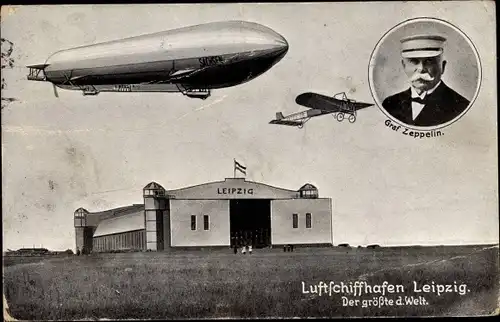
x,y
125,220
232,188
94,218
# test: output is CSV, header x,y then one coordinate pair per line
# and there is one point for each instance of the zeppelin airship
x,y
191,60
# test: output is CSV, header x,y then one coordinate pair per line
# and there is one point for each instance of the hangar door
x,y
250,222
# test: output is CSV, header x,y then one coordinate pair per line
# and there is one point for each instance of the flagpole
x,y
234,168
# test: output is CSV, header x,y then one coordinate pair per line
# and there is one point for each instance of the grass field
x,y
268,283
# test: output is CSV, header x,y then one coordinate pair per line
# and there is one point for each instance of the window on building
x,y
206,222
309,193
308,220
295,221
193,222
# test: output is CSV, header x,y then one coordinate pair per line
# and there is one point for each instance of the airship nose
x,y
281,44
271,37
281,41
276,39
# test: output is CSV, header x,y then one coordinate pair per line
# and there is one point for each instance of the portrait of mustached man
x,y
428,101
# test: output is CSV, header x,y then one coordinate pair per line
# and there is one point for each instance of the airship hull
x,y
229,70
208,56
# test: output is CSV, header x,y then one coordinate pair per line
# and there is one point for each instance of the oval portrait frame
x,y
372,64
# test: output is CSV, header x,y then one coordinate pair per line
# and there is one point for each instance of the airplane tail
x,y
279,116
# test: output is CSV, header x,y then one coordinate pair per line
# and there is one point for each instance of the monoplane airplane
x,y
191,60
338,105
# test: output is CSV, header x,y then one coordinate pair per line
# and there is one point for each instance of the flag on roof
x,y
241,168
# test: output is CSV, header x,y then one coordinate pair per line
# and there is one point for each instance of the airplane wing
x,y
360,105
326,103
286,122
318,101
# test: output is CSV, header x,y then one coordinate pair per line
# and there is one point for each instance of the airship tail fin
x,y
36,72
39,66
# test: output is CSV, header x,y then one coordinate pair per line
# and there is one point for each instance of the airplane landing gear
x,y
352,118
340,117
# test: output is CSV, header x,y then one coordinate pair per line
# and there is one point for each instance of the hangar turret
x,y
83,231
156,216
308,191
153,189
81,217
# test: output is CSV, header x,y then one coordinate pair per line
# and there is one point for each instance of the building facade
x,y
229,213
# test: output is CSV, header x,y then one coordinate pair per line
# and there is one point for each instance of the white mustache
x,y
419,76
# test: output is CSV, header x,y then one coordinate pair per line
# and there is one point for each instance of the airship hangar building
x,y
229,213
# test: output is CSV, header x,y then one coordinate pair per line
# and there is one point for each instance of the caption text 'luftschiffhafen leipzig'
x,y
191,60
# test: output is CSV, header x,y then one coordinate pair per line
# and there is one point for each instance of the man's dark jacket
x,y
441,106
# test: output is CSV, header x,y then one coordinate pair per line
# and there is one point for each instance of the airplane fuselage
x,y
338,105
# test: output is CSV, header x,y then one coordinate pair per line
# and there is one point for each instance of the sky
x,y
98,152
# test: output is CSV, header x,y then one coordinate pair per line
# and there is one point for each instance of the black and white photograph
x,y
437,67
249,160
